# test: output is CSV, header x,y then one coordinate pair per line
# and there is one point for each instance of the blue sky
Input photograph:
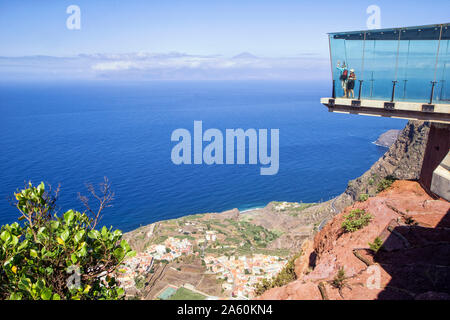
x,y
265,28
262,27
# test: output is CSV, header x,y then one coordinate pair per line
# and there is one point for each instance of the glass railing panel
x,y
406,56
380,59
417,66
369,75
338,53
354,49
442,91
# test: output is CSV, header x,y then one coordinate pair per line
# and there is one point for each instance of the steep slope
x,y
403,161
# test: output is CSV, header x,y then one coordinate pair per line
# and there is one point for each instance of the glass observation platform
x,y
399,72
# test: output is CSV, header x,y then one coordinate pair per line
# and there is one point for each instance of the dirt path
x,y
324,221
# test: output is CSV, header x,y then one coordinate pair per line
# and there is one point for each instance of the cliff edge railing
x,y
398,73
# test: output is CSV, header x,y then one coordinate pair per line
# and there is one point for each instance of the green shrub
x,y
385,183
363,197
372,179
286,275
58,257
339,280
376,245
356,220
139,282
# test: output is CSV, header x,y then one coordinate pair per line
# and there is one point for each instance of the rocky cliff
x,y
402,161
403,252
405,218
412,260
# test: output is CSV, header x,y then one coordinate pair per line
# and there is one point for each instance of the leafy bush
x,y
363,197
139,282
372,179
376,245
286,275
385,183
59,257
356,220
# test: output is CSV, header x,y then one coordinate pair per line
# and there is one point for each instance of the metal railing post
x,y
360,87
394,83
334,89
433,83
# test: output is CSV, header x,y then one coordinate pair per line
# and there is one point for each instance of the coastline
x,y
248,209
380,145
200,245
252,208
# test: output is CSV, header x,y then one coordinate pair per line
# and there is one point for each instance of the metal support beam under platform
x,y
438,112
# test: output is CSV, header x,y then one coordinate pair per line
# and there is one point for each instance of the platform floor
x,y
438,112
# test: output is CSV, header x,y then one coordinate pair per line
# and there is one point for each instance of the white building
x,y
160,249
210,236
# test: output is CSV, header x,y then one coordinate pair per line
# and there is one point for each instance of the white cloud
x,y
114,65
173,65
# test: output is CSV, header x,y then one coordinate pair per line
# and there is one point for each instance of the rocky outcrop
x,y
403,161
413,226
412,263
388,138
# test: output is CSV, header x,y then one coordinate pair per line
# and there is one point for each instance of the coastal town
x,y
238,275
214,255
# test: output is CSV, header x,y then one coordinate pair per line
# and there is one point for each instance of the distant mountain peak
x,y
245,55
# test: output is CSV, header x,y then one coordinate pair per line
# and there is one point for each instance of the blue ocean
x,y
73,133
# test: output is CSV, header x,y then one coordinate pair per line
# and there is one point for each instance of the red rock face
x,y
413,262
